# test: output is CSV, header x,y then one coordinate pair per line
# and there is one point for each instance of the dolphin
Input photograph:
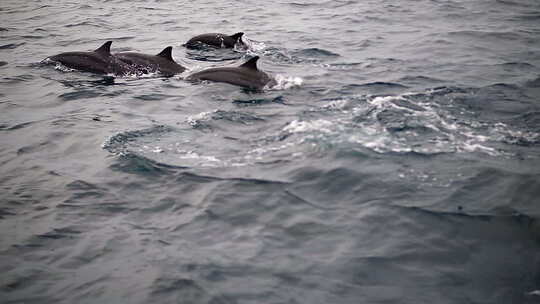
x,y
246,75
100,61
143,63
214,39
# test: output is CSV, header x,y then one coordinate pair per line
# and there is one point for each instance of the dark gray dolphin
x,y
142,63
246,75
99,61
214,39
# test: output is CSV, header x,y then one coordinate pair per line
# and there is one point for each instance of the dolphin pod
x,y
102,61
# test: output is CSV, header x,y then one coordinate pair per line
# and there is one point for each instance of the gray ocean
x,y
396,160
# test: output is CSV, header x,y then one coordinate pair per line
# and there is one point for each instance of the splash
x,y
407,125
197,119
416,122
410,122
57,65
320,125
251,47
283,82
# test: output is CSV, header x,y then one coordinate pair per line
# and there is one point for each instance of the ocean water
x,y
397,160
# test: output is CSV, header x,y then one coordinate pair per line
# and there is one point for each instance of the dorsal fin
x,y
166,53
237,36
105,49
250,64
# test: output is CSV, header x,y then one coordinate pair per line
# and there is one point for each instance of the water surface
x,y
396,161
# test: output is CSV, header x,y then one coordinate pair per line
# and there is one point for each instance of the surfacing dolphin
x,y
214,39
100,61
162,63
246,75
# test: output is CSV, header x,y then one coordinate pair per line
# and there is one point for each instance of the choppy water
x,y
396,161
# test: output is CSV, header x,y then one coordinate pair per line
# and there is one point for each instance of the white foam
x,y
205,160
62,67
253,47
257,153
297,126
157,149
356,122
193,120
338,104
284,82
454,136
504,133
136,75
381,101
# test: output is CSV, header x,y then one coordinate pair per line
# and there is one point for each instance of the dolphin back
x,y
166,53
98,61
162,63
236,37
105,49
246,75
216,40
